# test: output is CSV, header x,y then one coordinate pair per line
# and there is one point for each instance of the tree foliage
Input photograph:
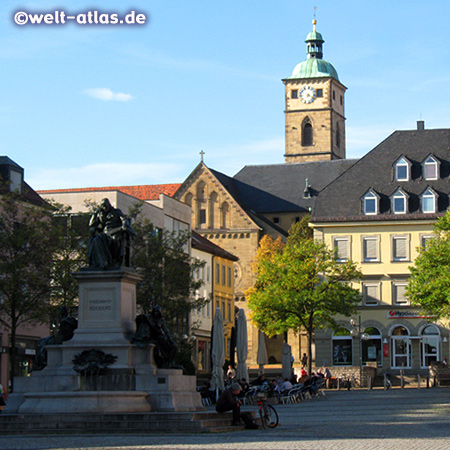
x,y
70,256
28,239
429,284
300,286
161,258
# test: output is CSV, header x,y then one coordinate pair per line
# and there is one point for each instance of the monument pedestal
x,y
106,322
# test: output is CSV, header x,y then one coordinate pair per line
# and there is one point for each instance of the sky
x,y
85,105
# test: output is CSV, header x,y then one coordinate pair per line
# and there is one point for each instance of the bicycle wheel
x,y
271,416
262,416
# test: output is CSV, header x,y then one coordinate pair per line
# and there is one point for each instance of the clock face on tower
x,y
308,94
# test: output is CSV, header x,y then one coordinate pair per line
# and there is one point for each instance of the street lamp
x,y
357,332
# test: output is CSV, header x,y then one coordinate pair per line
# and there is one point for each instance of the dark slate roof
x,y
279,187
201,243
235,188
341,200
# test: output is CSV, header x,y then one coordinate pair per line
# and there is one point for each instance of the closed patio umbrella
x,y
217,353
286,368
242,346
261,357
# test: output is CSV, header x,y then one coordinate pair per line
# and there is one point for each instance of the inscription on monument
x,y
100,305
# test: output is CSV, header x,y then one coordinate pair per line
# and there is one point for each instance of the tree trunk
x,y
310,339
12,357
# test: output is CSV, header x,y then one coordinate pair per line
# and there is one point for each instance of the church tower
x,y
314,112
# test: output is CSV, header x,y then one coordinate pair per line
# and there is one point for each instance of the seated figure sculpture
x,y
152,329
65,332
110,235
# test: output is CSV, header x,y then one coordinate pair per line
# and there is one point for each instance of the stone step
x,y
146,423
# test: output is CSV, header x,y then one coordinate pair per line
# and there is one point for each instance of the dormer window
x,y
428,201
370,202
430,168
402,169
11,175
399,202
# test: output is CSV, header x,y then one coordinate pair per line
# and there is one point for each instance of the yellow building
x,y
378,214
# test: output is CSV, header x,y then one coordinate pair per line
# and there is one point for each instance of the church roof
x,y
342,199
281,187
142,192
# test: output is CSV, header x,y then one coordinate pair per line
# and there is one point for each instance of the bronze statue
x,y
65,332
152,329
109,245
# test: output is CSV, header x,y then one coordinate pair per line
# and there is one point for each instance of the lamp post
x,y
357,332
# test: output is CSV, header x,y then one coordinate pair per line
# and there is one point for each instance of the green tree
x,y
28,239
301,287
169,280
69,257
429,284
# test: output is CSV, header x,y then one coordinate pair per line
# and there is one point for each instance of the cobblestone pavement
x,y
409,419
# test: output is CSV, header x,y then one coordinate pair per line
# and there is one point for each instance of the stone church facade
x,y
236,212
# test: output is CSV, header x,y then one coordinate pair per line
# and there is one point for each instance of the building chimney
x,y
420,125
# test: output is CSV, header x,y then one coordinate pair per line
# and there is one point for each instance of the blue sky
x,y
96,106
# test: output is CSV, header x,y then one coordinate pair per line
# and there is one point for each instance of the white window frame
x,y
429,193
364,239
428,339
402,162
370,195
395,285
347,239
398,237
397,356
370,285
430,160
424,238
399,193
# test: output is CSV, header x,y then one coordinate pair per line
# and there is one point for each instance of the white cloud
x,y
107,94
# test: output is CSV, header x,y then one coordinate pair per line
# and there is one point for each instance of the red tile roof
x,y
142,192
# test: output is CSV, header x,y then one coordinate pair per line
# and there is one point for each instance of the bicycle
x,y
267,413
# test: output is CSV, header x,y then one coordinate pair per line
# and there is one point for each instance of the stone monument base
x,y
132,384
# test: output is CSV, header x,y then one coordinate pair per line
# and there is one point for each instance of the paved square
x,y
409,419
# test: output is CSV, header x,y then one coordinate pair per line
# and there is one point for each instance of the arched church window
x,y
225,215
188,199
338,136
201,191
307,133
213,210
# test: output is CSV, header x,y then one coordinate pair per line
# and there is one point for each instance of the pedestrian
x,y
304,360
326,375
228,401
231,374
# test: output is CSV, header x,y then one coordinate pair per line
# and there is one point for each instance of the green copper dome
x,y
314,66
314,36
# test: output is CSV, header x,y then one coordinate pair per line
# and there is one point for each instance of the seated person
x,y
286,386
228,401
206,392
259,381
244,386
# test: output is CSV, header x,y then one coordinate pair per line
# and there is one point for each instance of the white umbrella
x,y
261,357
286,369
242,346
217,353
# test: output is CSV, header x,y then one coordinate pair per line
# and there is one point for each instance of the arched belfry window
x,y
338,136
307,133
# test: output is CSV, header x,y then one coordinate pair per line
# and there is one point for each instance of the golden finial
x,y
314,20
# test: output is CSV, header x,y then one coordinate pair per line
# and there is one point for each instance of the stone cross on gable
x,y
201,155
